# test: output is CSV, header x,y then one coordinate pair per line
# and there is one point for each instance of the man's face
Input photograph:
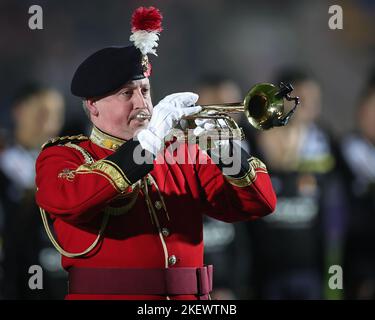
x,y
115,114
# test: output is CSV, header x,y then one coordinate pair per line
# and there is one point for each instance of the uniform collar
x,y
105,140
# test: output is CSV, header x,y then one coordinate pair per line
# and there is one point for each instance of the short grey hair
x,y
85,109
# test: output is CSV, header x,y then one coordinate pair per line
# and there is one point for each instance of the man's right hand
x,y
166,115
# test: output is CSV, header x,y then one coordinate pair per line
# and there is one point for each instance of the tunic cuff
x,y
132,160
254,166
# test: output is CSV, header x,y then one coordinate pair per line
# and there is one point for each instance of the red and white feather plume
x,y
146,27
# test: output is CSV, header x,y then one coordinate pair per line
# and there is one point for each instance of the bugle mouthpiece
x,y
143,116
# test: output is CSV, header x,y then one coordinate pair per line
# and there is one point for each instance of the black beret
x,y
106,71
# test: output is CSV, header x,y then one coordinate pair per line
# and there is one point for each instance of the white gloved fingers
x,y
168,112
149,141
198,131
185,99
169,97
181,99
200,122
210,126
191,110
169,117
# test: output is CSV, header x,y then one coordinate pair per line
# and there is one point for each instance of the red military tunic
x,y
154,222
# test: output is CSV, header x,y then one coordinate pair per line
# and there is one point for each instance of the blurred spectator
x,y
226,245
38,115
289,247
358,149
2,218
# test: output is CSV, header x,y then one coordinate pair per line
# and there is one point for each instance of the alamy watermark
x,y
336,21
335,281
36,18
184,151
36,278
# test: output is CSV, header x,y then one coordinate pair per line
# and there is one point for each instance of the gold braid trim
x,y
109,170
87,156
63,140
105,168
250,176
71,254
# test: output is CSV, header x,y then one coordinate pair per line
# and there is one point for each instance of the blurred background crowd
x,y
322,164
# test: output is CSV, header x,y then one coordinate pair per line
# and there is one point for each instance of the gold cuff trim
x,y
246,180
105,140
257,164
109,170
243,181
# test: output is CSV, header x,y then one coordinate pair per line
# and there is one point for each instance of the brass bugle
x,y
263,107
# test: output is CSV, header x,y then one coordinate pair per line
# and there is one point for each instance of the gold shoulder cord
x,y
88,159
70,254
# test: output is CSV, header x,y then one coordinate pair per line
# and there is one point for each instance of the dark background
x,y
246,40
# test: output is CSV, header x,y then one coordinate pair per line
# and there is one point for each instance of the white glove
x,y
166,115
220,149
204,126
226,153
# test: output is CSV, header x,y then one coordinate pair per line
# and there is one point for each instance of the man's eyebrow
x,y
132,85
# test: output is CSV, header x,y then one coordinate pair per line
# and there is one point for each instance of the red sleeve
x,y
236,199
72,189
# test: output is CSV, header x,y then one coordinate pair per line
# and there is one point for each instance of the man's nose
x,y
139,102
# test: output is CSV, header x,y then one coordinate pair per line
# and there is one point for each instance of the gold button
x,y
165,232
172,260
158,205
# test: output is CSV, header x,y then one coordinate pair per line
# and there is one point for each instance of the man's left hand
x,y
220,149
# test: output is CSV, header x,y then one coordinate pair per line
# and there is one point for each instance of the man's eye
x,y
127,93
145,91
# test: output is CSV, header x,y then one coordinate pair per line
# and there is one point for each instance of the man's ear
x,y
91,107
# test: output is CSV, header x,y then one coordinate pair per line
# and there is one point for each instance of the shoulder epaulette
x,y
64,140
